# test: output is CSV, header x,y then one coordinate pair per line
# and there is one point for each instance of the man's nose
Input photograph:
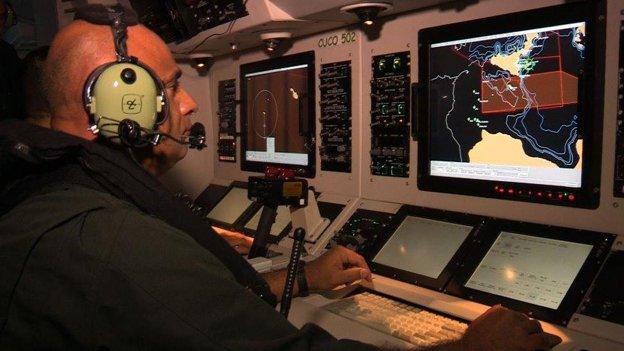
x,y
188,105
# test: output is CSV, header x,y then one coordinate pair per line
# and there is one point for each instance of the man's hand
x,y
502,329
336,267
333,268
240,242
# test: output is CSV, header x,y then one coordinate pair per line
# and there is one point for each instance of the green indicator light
x,y
384,109
400,109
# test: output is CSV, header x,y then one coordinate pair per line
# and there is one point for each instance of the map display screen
x,y
504,107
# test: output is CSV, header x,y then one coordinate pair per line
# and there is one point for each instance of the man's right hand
x,y
501,329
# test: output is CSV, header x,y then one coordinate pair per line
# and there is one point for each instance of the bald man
x,y
95,254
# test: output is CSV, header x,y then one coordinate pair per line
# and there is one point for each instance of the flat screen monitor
x,y
507,107
423,246
277,114
531,269
544,271
231,207
282,220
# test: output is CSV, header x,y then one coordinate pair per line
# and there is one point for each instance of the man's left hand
x,y
238,241
336,267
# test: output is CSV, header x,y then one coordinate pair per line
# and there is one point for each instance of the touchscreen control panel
x,y
529,268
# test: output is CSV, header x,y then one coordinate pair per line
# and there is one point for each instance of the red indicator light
x,y
549,195
510,191
571,197
539,193
560,196
501,190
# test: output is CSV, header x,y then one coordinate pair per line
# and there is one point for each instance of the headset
x,y
125,99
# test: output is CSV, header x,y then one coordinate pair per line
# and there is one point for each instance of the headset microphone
x,y
197,136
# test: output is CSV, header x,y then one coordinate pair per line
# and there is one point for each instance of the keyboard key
x,y
409,323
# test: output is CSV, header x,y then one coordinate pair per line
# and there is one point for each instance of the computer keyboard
x,y
410,323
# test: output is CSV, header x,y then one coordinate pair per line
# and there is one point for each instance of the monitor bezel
x,y
308,58
600,242
451,267
249,211
588,195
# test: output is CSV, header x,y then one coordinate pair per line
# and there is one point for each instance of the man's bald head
x,y
80,48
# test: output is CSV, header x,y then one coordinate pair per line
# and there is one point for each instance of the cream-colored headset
x,y
125,99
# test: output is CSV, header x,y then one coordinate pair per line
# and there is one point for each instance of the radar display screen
x,y
277,110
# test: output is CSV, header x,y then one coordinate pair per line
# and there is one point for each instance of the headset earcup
x,y
88,98
125,90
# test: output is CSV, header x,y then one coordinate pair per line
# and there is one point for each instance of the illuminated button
x,y
396,64
571,197
510,191
539,194
384,109
401,109
382,64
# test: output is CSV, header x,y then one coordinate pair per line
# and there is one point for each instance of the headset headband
x,y
120,35
117,17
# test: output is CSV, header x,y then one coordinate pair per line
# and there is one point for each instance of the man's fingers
x,y
542,341
351,258
532,326
241,249
518,316
553,339
350,275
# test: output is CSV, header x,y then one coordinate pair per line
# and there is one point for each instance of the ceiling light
x,y
272,40
367,12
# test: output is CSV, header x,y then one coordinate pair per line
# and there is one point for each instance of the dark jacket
x,y
81,268
11,99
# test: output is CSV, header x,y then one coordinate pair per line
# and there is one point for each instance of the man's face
x,y
181,105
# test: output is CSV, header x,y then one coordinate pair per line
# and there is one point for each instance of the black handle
x,y
261,239
291,273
